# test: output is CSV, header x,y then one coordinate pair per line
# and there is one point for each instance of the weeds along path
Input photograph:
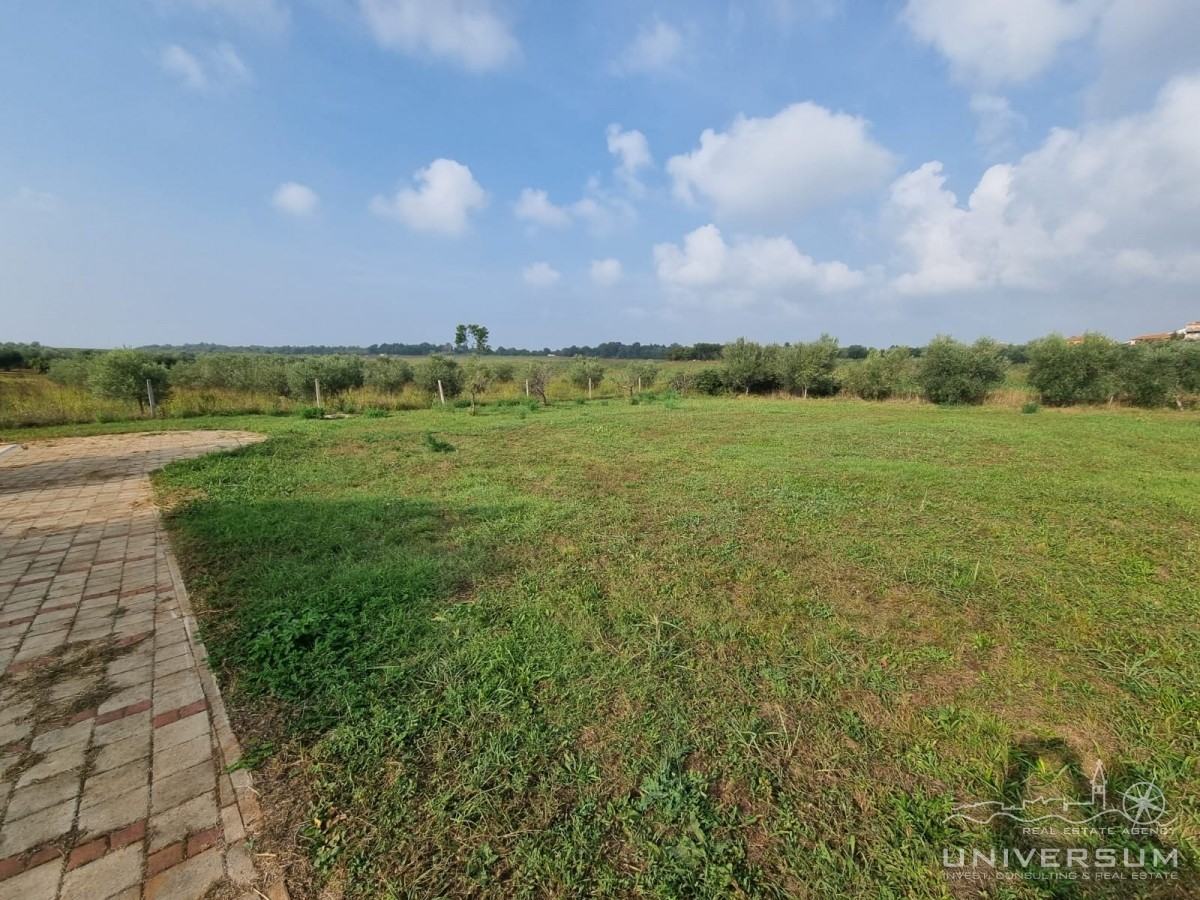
x,y
114,741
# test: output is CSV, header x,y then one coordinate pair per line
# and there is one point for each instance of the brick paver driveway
x,y
113,738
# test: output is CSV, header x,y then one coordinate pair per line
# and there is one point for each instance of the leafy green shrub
x,y
71,370
951,372
682,382
387,374
442,368
808,367
337,375
710,382
750,367
504,372
585,371
264,373
879,375
122,375
374,412
1064,373
309,412
1154,375
1029,408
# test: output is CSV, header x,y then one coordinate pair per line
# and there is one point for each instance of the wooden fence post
x,y
150,394
441,393
526,387
317,385
589,389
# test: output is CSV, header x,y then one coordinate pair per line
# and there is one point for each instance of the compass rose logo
x,y
1141,804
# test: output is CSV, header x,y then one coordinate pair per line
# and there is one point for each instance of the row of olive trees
x,y
947,371
586,372
1098,370
122,374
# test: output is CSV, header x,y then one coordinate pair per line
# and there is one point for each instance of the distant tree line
x,y
1091,369
607,350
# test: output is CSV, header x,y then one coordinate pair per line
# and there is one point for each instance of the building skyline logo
x,y
1141,804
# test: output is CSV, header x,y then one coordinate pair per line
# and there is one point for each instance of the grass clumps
x,y
732,649
436,444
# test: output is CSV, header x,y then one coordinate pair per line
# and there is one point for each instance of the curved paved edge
x,y
114,741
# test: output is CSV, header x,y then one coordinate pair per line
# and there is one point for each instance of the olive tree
x,y
809,366
1064,373
878,376
538,376
439,368
1160,374
749,366
586,372
477,377
122,375
337,375
953,372
388,375
637,376
71,370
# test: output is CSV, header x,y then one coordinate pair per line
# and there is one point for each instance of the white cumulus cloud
x,y
537,207
633,152
770,170
712,271
446,195
217,69
1114,198
604,212
540,274
606,272
1144,42
989,42
468,33
657,46
601,210
295,199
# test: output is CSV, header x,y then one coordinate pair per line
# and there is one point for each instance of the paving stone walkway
x,y
113,738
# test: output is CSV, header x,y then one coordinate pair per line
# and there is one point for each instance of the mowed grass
x,y
701,648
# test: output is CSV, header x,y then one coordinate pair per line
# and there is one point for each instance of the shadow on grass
x,y
316,604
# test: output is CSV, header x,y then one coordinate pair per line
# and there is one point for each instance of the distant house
x,y
1075,341
1191,331
1151,338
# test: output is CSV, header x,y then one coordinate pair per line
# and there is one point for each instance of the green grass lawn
x,y
704,648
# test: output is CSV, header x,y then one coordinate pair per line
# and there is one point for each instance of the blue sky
x,y
360,171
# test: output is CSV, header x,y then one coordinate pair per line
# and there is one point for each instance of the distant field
x,y
701,648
